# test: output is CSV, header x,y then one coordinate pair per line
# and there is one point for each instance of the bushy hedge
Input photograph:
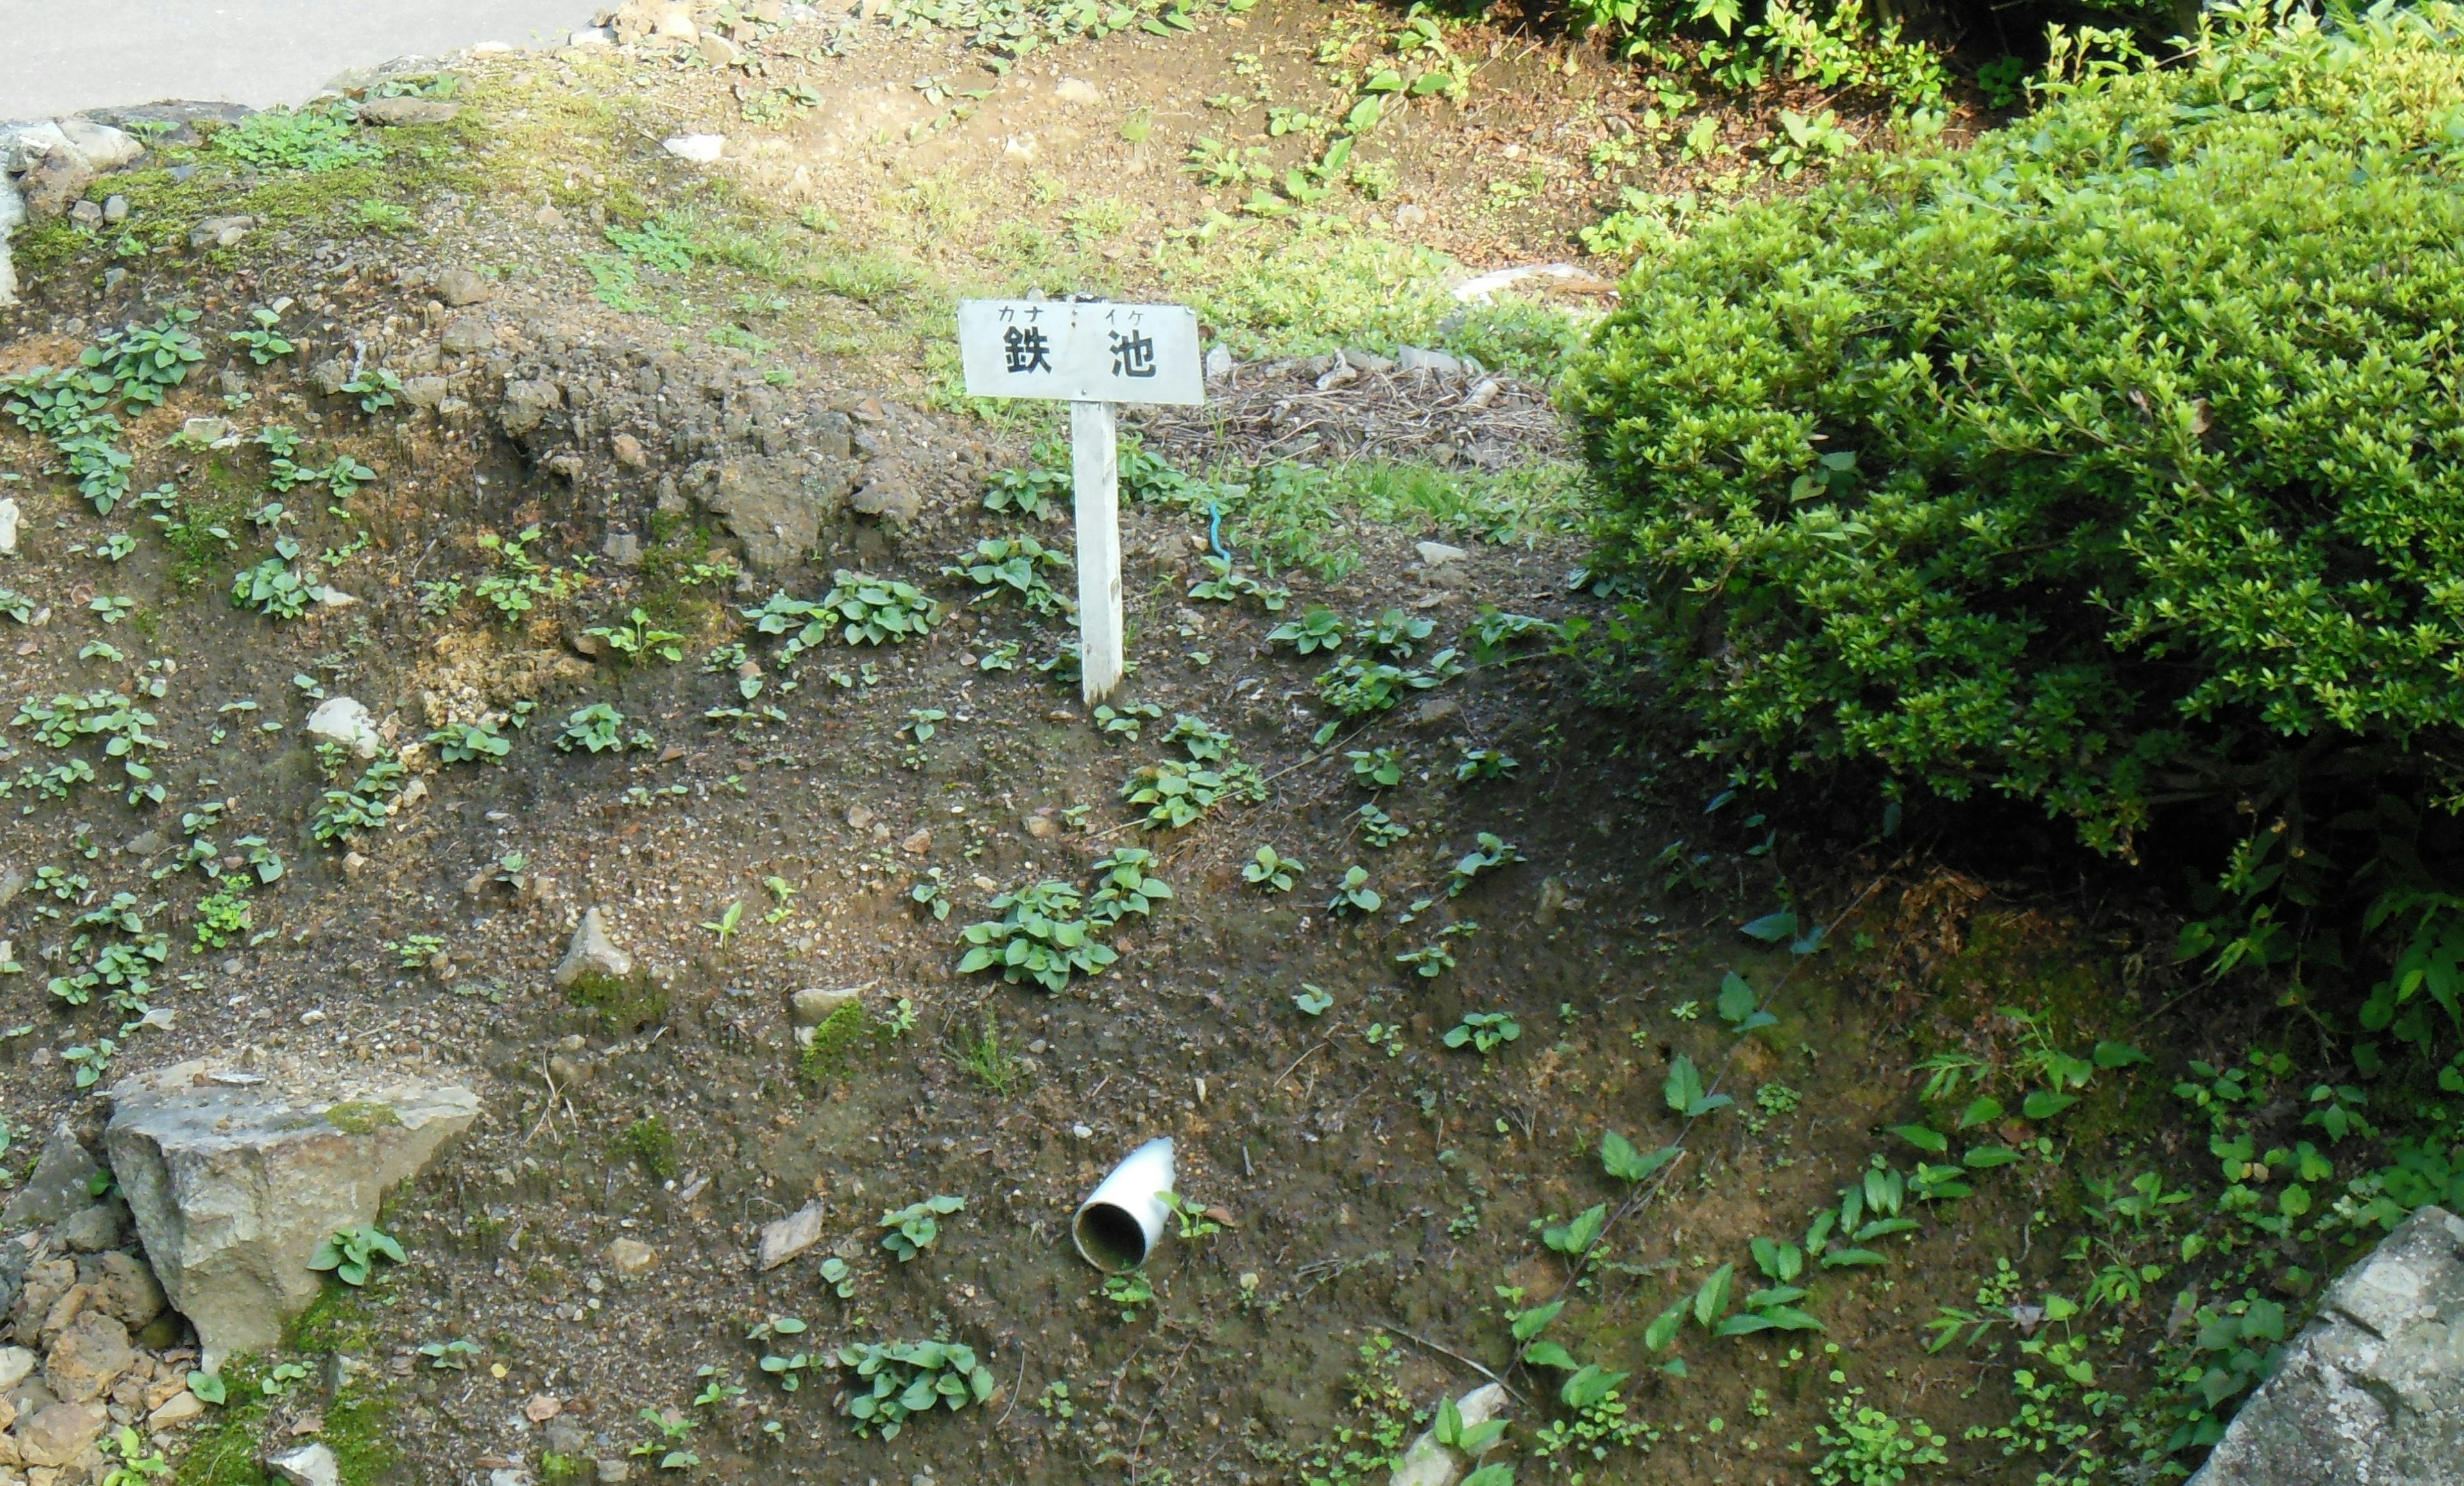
x,y
2118,457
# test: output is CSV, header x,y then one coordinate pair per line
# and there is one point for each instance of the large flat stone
x,y
2371,1393
233,1186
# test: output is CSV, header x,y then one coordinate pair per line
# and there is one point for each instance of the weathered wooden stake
x,y
1095,469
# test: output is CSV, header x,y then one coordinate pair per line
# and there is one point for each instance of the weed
x,y
1484,1031
599,728
990,1060
1176,794
1039,937
1272,871
368,803
1126,720
311,142
470,742
264,344
836,1040
451,1356
222,917
1484,763
1867,1447
1490,854
1382,769
352,1253
1354,894
1129,1290
788,1366
521,583
636,638
859,609
908,1378
1378,828
668,1444
1018,564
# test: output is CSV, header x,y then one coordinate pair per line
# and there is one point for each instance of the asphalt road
x,y
57,56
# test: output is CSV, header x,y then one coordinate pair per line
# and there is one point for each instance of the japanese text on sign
x,y
1081,352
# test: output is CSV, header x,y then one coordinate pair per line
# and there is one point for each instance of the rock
x,y
219,232
465,334
1220,363
11,514
1437,712
1439,554
234,1185
774,505
461,288
55,183
629,453
90,1356
791,1235
60,1186
92,1231
404,113
328,376
622,549
340,719
309,1465
1416,359
58,1435
205,431
181,1408
814,1005
888,492
614,1469
1078,92
46,1285
1411,214
720,51
701,149
631,1258
1428,1463
675,22
919,845
124,1287
425,391
104,147
114,209
527,403
592,952
16,1366
87,214
592,38
2372,1390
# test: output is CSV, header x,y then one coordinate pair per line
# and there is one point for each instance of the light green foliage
x,y
309,140
368,803
599,728
636,638
1223,584
1867,1447
1038,937
1174,793
2033,469
521,581
73,408
1377,1419
453,1355
1380,769
1354,894
264,344
1124,886
1484,1031
352,1253
667,1446
90,1062
1271,871
1019,564
788,1364
1129,1290
470,742
1490,853
991,1060
859,609
222,917
114,717
894,1383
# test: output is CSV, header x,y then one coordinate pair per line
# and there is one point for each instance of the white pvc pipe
x,y
1119,1225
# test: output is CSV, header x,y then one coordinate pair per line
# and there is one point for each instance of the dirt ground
x,y
1380,1187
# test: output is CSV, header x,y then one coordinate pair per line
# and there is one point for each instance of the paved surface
x,y
57,56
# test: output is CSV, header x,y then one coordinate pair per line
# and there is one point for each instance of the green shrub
x,y
2112,461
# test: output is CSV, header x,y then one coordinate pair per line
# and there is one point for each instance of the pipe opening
x,y
1109,1237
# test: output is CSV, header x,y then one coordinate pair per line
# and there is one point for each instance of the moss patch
x,y
837,1040
360,1116
628,1005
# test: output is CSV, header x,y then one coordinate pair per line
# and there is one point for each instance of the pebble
x,y
219,232
631,1258
114,209
1078,91
1083,1132
701,149
10,515
1438,554
460,286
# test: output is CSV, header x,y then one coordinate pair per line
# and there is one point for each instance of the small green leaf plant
x,y
1272,871
917,1227
897,1381
351,1254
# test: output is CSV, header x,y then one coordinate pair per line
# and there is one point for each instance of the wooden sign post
x,y
1092,355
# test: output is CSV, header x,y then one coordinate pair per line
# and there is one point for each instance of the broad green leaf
x,y
2045,1104
1662,1333
1593,1383
1576,1238
1984,1158
1923,1137
1982,1111
1843,1258
1713,1297
1684,1085
1619,1159
1736,997
1548,1354
1772,927
1531,1324
2118,1055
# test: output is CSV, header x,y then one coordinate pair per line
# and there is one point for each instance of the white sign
x,y
1085,351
